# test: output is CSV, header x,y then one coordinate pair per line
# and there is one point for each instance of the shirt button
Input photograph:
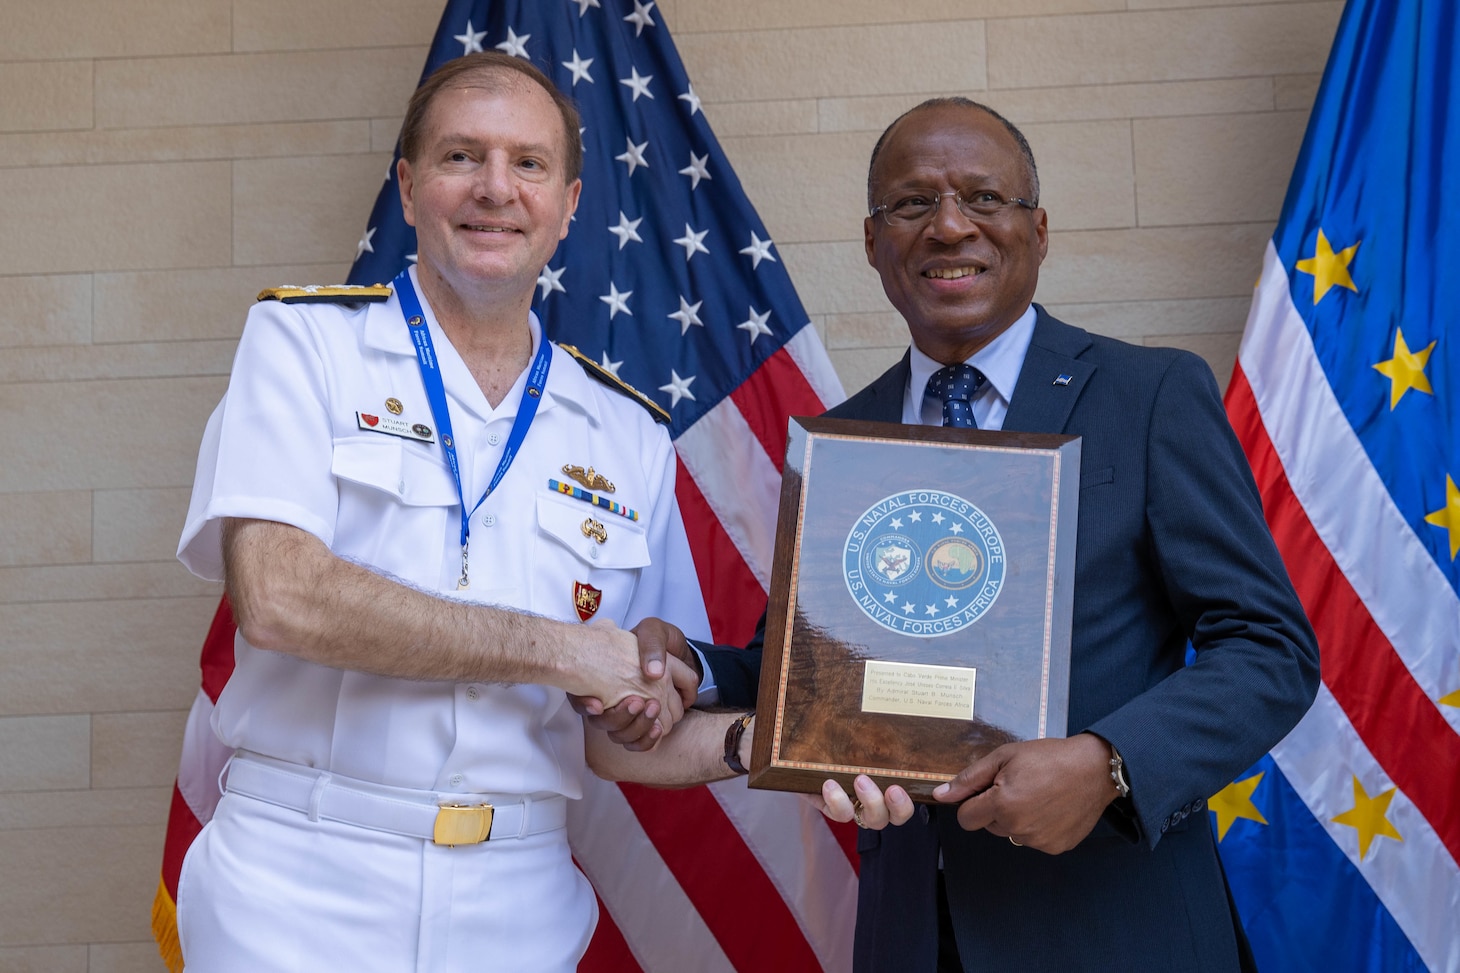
x,y
402,487
593,553
488,520
456,780
493,439
472,693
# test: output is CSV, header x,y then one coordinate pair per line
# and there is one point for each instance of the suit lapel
x,y
882,400
1051,379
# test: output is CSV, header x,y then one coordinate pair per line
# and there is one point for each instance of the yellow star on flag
x,y
1367,816
1235,801
1406,370
1450,699
1448,516
1329,269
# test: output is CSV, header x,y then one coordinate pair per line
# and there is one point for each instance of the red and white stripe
x,y
724,878
1387,655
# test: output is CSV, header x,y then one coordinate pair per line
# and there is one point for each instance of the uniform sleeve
x,y
1255,670
669,587
266,451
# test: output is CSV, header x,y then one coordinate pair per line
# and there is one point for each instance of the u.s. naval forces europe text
x,y
924,563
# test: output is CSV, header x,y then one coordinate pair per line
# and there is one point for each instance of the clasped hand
x,y
638,722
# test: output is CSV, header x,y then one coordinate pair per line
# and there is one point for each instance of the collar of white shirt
x,y
1000,360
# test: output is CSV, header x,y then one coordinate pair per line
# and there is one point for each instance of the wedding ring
x,y
857,813
1016,844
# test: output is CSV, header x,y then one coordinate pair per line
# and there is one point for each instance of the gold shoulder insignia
x,y
613,381
326,294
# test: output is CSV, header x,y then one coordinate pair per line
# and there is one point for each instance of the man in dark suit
x,y
1091,852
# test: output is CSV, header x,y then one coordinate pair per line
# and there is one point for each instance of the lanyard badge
x,y
436,395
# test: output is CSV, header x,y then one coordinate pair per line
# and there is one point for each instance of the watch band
x,y
733,733
1117,772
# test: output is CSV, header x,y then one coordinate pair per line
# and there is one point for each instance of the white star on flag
x,y
692,242
364,245
550,280
687,315
634,157
756,325
616,301
583,5
514,45
579,67
626,230
698,168
638,83
610,366
758,250
471,41
693,99
678,388
640,17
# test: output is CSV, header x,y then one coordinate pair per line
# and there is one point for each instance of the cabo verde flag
x,y
1341,845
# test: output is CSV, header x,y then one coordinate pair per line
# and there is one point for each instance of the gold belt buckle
x,y
463,824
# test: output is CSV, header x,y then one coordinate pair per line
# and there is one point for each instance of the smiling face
x,y
487,191
958,283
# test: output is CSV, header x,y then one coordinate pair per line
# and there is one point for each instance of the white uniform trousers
x,y
263,889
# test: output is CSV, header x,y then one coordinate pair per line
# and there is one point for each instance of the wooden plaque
x,y
920,602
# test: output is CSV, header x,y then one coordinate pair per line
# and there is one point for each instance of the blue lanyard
x,y
436,395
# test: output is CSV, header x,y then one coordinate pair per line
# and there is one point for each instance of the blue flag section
x,y
1341,846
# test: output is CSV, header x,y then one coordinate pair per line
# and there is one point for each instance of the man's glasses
x,y
913,207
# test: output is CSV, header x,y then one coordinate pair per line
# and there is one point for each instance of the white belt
x,y
445,820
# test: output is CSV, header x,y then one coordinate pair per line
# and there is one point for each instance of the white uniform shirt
x,y
285,445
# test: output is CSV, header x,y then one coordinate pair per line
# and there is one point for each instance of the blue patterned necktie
x,y
956,385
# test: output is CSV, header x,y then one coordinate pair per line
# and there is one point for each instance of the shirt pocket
x,y
566,521
397,506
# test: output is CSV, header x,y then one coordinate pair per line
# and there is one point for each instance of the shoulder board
x,y
326,294
613,381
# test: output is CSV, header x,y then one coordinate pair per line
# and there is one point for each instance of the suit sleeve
x,y
736,671
1255,670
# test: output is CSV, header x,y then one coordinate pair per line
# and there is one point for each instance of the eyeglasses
x,y
912,207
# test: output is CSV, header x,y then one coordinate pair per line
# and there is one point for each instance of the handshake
x,y
646,705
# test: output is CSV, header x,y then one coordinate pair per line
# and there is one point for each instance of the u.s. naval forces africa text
x,y
924,563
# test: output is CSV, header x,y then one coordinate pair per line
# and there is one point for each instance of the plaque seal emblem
x,y
924,563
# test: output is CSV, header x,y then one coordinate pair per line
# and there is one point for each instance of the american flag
x,y
1342,845
669,279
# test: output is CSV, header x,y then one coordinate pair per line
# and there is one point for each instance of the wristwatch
x,y
1117,772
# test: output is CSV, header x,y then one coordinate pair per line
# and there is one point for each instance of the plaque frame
x,y
1000,563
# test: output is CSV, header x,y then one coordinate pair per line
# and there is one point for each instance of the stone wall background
x,y
162,160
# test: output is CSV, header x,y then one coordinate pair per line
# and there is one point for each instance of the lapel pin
x,y
394,406
1063,379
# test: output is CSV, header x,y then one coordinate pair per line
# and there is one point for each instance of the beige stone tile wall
x,y
162,160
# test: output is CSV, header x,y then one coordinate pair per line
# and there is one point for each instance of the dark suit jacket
x,y
1171,545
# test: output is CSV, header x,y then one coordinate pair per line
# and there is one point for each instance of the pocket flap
x,y
388,466
624,544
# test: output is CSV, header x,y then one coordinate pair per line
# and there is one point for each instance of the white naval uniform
x,y
286,444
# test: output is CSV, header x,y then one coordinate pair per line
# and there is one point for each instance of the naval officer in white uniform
x,y
415,504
